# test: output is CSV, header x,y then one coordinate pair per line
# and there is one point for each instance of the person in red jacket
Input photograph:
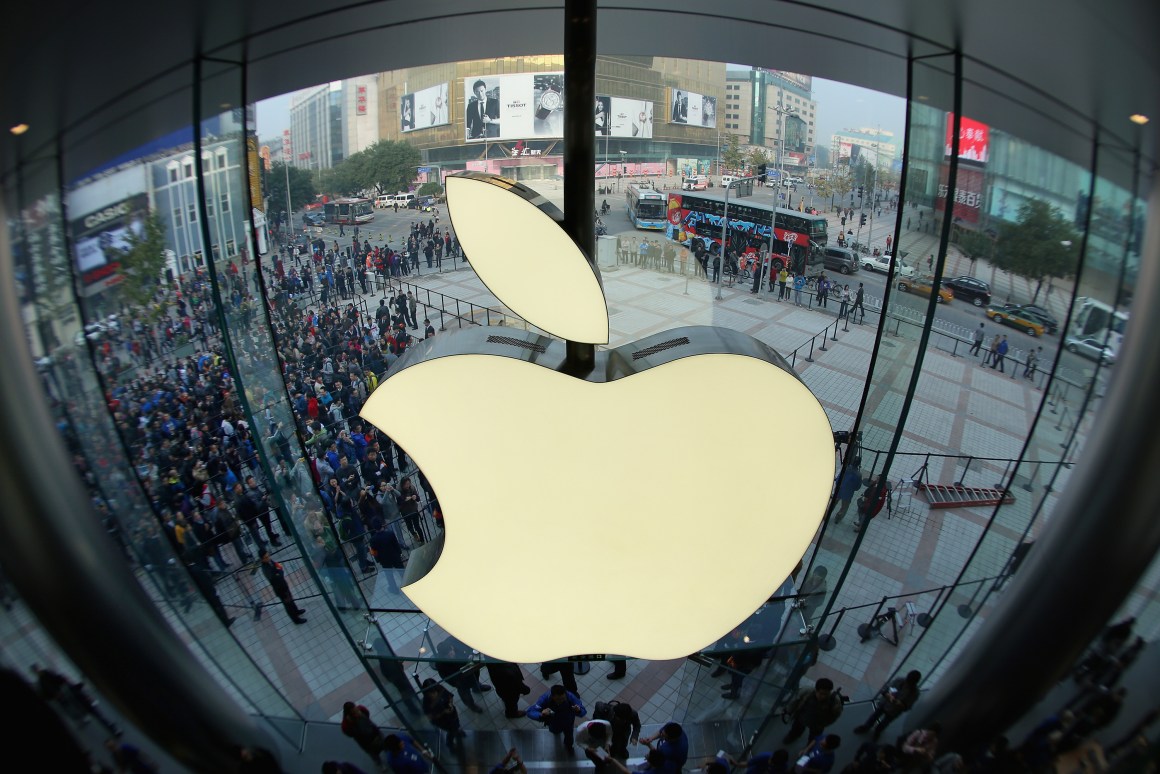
x,y
871,501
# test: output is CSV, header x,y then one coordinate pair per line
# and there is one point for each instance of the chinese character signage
x,y
360,100
974,139
968,193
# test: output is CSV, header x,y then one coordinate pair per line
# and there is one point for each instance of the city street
x,y
955,318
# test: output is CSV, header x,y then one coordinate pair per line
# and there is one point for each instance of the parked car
x,y
313,219
1016,316
924,286
1091,348
840,259
881,263
970,289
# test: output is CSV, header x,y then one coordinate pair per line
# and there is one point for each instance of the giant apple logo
x,y
641,510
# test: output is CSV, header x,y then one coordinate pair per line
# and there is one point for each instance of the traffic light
x,y
863,221
859,191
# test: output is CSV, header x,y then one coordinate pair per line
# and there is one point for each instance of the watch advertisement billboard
x,y
688,107
623,117
511,107
99,237
424,108
974,139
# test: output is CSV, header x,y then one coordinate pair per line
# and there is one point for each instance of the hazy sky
x,y
840,106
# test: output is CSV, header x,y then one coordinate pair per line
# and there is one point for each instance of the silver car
x,y
1091,348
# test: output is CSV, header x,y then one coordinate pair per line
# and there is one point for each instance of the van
x,y
384,201
695,183
403,199
840,259
727,179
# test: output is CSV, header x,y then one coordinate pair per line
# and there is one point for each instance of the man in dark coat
x,y
277,578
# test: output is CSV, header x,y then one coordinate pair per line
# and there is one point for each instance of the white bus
x,y
646,207
1094,319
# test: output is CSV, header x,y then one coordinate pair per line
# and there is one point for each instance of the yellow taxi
x,y
1014,316
924,286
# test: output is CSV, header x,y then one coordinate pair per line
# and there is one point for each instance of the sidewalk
x,y
959,409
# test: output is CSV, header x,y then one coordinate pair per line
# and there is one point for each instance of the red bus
x,y
799,239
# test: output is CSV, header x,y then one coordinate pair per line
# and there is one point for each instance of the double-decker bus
x,y
646,207
799,239
349,211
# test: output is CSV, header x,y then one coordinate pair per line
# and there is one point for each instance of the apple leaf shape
x,y
511,236
625,489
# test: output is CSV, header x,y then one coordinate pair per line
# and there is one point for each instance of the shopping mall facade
x,y
1074,450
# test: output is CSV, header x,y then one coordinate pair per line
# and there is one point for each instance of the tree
x,y
142,261
1036,245
346,179
302,190
841,183
430,189
756,157
732,157
388,166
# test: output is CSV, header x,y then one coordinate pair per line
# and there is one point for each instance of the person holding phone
x,y
558,710
595,736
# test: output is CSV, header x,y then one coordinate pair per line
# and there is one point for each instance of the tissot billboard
x,y
424,108
688,107
623,117
511,107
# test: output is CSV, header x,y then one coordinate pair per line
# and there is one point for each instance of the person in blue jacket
x,y
558,709
673,744
848,486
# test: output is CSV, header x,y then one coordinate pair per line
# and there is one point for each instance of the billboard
x,y
99,236
859,153
688,107
512,107
974,139
968,193
623,117
845,149
425,108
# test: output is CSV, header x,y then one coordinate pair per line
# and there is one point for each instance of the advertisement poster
x,y
845,149
968,193
623,117
511,107
688,107
99,236
424,109
974,139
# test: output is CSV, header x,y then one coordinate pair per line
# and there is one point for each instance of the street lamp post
x,y
782,112
623,170
721,267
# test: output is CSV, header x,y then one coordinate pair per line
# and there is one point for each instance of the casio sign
x,y
109,213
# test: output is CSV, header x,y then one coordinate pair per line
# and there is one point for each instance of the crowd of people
x,y
355,495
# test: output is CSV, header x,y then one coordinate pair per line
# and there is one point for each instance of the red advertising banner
x,y
968,193
974,139
360,100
